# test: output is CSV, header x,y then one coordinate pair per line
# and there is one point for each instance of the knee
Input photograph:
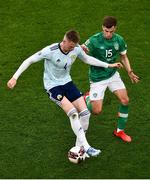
x,y
96,110
85,113
125,101
73,114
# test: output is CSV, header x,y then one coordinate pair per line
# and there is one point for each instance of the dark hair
x,y
73,36
109,21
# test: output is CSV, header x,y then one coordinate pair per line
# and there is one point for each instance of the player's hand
x,y
134,78
116,65
85,49
11,83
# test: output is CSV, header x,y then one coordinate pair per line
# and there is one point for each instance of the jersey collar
x,y
108,39
62,50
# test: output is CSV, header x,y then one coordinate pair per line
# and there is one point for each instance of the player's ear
x,y
115,28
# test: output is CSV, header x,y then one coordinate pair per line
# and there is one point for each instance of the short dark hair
x,y
73,36
109,21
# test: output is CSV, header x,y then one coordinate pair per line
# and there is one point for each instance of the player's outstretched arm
x,y
95,62
26,63
134,78
116,65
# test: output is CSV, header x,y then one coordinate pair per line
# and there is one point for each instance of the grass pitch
x,y
35,134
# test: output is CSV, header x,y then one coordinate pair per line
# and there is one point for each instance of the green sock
x,y
88,103
123,116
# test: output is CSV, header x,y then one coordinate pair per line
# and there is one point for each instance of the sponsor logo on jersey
x,y
58,60
102,47
116,46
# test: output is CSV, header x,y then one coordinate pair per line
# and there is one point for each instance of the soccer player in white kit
x,y
58,59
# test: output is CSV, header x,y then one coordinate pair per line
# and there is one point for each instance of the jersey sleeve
x,y
44,53
89,59
80,52
123,46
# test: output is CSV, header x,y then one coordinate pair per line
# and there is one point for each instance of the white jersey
x,y
57,64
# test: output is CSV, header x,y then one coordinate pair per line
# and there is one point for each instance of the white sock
x,y
77,128
84,121
118,130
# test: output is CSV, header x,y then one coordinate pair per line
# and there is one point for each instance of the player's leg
x,y
94,99
97,106
118,88
56,94
73,115
84,116
122,114
75,97
76,126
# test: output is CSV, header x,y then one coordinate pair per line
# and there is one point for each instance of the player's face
x,y
68,45
108,32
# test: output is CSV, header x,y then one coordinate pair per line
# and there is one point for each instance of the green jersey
x,y
106,50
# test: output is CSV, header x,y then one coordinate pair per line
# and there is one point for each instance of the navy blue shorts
x,y
69,90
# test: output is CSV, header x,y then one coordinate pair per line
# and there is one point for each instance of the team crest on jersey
x,y
116,46
73,57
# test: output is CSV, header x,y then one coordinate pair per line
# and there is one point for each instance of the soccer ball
x,y
76,154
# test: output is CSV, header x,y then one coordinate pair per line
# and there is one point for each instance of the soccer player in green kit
x,y
107,46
